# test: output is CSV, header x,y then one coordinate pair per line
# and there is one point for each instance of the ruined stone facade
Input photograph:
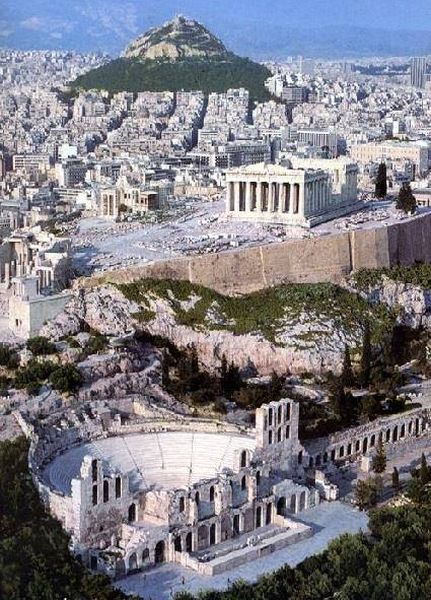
x,y
137,495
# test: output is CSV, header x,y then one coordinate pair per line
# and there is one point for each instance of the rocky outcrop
x,y
179,38
411,303
104,309
309,344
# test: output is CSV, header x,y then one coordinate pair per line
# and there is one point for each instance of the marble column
x,y
248,196
236,197
258,197
281,197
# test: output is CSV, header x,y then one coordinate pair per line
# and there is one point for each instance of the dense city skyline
x,y
348,29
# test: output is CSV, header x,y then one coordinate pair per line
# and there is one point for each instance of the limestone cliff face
x,y
176,39
307,345
411,303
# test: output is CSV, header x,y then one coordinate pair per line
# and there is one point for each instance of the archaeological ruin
x,y
205,494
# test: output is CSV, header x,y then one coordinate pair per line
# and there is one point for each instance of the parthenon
x,y
277,194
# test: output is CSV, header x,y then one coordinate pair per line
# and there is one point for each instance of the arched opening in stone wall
x,y
226,528
281,506
145,556
388,435
258,517
118,487
94,469
212,534
236,525
293,504
202,537
403,431
181,504
94,495
364,445
212,493
279,435
105,490
243,459
395,434
189,542
268,513
133,562
373,441
243,483
302,501
257,477
159,554
177,544
132,513
120,568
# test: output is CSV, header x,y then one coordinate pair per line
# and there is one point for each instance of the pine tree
x,y
275,386
379,459
395,479
424,471
381,182
406,201
347,375
223,368
366,356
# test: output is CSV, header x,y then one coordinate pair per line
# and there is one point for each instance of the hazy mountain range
x,y
340,28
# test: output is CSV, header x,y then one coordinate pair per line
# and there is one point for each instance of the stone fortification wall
x,y
324,258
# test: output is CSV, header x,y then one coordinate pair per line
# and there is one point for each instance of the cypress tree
x,y
347,375
406,201
381,182
366,356
379,459
395,479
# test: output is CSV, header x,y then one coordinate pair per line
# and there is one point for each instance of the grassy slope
x,y
419,275
216,75
264,311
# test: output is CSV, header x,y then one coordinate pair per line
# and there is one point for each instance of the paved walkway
x,y
328,520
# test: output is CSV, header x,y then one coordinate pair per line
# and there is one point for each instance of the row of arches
x,y
110,489
390,435
139,560
292,505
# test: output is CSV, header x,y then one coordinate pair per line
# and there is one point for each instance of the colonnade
x,y
279,197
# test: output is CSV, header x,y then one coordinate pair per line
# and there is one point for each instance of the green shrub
x,y
8,357
66,378
41,346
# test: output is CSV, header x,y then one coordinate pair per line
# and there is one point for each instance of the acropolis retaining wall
x,y
327,258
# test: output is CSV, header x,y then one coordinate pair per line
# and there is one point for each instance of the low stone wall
x,y
295,532
320,259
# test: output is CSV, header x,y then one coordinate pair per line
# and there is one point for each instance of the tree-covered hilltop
x,y
35,561
188,74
